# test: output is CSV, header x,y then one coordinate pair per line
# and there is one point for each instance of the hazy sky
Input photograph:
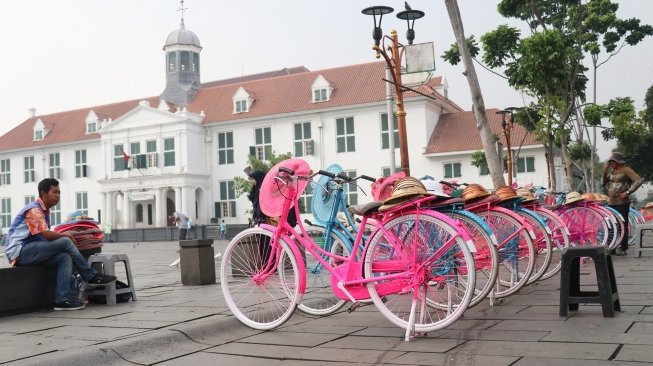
x,y
69,54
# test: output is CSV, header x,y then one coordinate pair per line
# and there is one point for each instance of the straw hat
x,y
600,197
474,191
589,196
573,197
406,188
648,205
505,193
526,195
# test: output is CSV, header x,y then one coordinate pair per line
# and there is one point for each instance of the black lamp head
x,y
409,15
380,10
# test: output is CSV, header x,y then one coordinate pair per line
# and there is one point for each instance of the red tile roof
x,y
457,132
278,92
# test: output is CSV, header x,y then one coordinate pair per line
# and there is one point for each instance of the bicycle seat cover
x,y
273,192
324,196
382,188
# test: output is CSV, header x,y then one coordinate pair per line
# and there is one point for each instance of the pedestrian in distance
x,y
181,221
621,181
30,242
223,231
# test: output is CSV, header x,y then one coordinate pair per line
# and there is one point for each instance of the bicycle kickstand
x,y
410,329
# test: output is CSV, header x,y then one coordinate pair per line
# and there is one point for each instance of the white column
x,y
187,202
104,208
160,207
178,199
111,207
126,208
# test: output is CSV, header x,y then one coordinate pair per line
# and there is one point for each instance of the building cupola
x,y
182,49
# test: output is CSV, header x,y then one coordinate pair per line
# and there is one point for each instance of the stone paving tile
x,y
303,353
394,344
535,361
24,346
495,335
117,322
154,347
331,329
594,324
90,312
635,353
641,328
174,316
583,351
392,332
291,338
66,358
206,358
215,330
88,333
572,335
17,325
419,358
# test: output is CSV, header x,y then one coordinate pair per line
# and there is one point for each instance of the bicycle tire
x,y
318,298
392,297
486,256
542,243
559,240
259,303
586,226
516,255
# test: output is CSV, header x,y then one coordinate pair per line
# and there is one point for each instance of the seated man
x,y
30,242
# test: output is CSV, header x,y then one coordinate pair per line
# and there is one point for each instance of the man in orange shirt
x,y
30,242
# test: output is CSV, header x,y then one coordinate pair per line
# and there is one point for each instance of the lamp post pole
x,y
393,62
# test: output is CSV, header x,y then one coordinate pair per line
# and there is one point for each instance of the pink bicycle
x,y
416,266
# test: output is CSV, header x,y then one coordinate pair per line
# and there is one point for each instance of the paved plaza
x,y
172,324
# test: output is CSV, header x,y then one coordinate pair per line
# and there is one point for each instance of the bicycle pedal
x,y
353,307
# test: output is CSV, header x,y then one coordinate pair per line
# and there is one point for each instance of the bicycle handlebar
x,y
286,170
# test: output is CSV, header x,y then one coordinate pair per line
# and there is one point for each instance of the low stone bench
x,y
26,289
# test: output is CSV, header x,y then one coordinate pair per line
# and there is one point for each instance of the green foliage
x,y
580,151
478,159
500,45
593,114
648,112
452,55
242,184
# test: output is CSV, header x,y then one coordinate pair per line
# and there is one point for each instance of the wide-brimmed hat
x,y
505,193
526,195
573,197
617,157
648,205
473,192
433,187
589,196
600,197
406,188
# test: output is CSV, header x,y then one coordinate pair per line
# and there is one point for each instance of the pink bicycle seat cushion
x,y
273,192
382,188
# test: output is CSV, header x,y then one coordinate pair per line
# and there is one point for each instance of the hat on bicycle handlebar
x,y
589,196
382,188
573,197
474,191
505,193
526,195
617,157
405,189
273,193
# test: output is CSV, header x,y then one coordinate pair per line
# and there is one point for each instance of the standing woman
x,y
621,181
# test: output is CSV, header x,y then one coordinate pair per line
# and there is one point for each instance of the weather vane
x,y
181,9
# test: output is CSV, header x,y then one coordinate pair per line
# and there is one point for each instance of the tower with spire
x,y
182,49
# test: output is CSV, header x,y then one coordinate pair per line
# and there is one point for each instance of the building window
x,y
241,106
81,202
119,162
320,95
139,212
306,199
262,150
169,152
345,139
351,189
184,61
226,206
385,171
5,171
385,132
55,214
38,135
29,199
483,170
303,141
526,165
196,62
55,168
80,163
151,154
28,173
452,170
5,212
225,148
91,127
172,62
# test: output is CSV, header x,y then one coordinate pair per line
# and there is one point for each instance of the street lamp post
x,y
393,60
506,126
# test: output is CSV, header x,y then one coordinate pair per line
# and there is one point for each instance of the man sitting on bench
x,y
30,242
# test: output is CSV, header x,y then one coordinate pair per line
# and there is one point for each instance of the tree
x,y
494,165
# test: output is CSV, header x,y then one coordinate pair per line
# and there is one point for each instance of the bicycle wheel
x,y
318,298
634,218
516,251
486,257
587,227
259,296
542,243
437,289
559,240
615,225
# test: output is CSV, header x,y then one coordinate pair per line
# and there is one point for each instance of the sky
x,y
69,54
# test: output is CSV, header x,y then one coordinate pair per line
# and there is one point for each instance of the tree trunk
x,y
550,164
569,165
494,165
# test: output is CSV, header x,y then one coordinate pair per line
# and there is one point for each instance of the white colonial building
x,y
132,163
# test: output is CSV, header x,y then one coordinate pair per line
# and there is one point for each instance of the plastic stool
x,y
570,293
108,262
639,234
